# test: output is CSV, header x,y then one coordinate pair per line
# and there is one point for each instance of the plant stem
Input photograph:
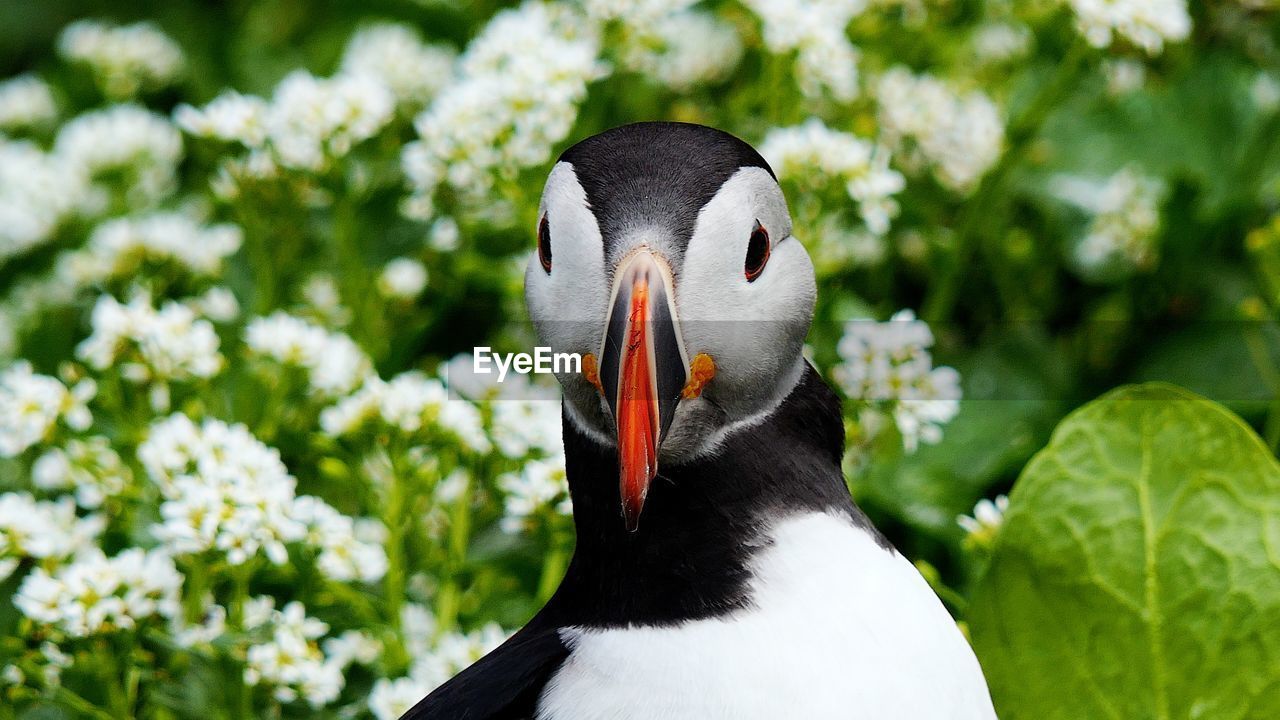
x,y
112,679
459,538
80,704
394,582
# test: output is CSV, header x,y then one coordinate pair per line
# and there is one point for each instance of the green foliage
x,y
1138,571
1063,216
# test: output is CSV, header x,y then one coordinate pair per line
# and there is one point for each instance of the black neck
x,y
702,520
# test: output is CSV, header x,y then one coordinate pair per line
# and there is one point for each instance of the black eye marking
x,y
544,244
757,252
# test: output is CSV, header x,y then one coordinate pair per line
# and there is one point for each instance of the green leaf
x,y
1138,571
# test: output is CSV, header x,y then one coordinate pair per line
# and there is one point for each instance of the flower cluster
x,y
123,141
124,59
333,362
1124,221
95,594
1148,24
223,489
959,135
309,122
348,549
409,403
31,406
88,467
171,343
826,62
682,50
888,365
813,154
433,662
291,662
38,192
118,246
516,95
539,484
25,101
396,56
227,491
42,530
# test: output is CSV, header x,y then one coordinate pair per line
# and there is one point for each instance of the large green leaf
x,y
1138,572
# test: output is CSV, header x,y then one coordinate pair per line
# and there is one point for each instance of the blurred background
x,y
241,244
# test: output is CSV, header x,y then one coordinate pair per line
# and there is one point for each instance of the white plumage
x,y
840,629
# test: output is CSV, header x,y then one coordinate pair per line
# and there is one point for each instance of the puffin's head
x,y
665,258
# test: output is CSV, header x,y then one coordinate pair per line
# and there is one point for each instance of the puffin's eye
x,y
544,244
757,252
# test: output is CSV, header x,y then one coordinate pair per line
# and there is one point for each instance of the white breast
x,y
840,629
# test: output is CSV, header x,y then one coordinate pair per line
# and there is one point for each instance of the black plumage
x,y
656,172
688,560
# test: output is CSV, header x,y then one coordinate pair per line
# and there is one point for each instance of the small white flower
x,y
118,246
230,117
25,101
445,235
988,517
38,192
124,59
396,56
683,49
523,426
203,632
959,135
539,484
403,279
1125,220
392,698
1123,75
814,154
217,303
90,468
1148,24
126,140
520,82
887,364
1000,42
333,361
223,489
1265,91
95,593
409,403
43,530
350,647
826,60
160,345
344,554
433,663
31,406
291,662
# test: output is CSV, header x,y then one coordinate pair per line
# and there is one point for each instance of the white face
x,y
753,329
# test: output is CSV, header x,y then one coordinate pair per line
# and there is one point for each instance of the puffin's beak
x,y
642,371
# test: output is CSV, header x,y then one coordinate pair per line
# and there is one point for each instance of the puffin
x,y
721,570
